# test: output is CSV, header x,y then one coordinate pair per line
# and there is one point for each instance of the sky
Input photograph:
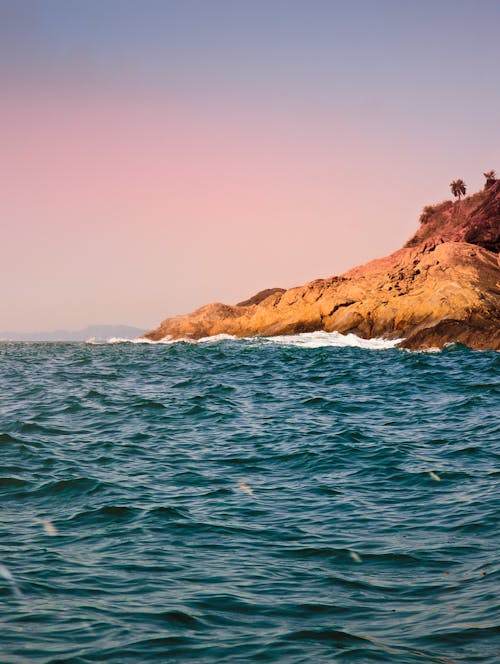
x,y
159,155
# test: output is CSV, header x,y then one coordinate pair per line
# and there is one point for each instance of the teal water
x,y
248,501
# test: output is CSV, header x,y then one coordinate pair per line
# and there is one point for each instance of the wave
x,y
373,505
165,341
321,339
318,339
118,340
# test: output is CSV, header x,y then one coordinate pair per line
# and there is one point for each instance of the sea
x,y
304,499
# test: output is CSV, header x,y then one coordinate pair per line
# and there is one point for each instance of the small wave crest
x,y
165,341
118,340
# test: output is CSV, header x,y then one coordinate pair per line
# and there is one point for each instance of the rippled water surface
x,y
248,501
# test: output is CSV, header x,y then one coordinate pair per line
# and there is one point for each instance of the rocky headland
x,y
443,286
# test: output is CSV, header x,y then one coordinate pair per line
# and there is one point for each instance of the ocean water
x,y
313,498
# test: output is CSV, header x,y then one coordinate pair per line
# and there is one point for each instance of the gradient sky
x,y
159,155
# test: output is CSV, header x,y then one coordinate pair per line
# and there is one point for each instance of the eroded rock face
x,y
443,286
260,296
481,334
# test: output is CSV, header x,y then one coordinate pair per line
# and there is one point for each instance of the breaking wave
x,y
321,339
318,339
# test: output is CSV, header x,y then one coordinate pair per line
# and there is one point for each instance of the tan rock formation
x,y
443,286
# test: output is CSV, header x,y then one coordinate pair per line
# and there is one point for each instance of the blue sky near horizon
x,y
278,109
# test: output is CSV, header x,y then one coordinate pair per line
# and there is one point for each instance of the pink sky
x,y
126,202
137,209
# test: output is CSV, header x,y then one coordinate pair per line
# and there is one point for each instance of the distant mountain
x,y
97,332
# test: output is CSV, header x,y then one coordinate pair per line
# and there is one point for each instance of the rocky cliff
x,y
442,286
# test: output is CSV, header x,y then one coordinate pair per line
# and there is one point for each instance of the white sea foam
x,y
166,340
304,340
120,340
217,337
321,339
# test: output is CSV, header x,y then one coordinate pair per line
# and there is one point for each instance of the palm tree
x,y
491,178
458,188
